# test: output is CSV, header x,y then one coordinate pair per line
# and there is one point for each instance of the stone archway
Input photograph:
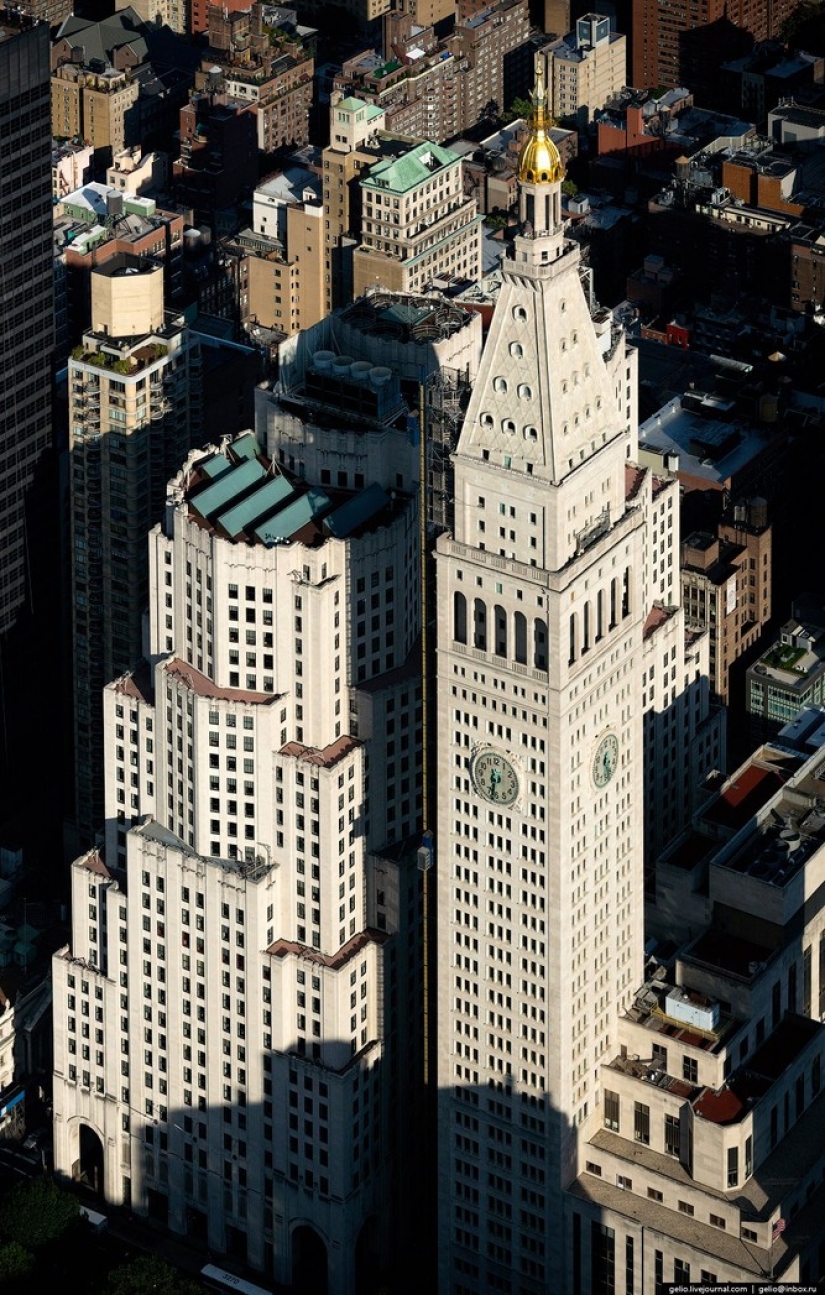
x,y
88,1168
368,1258
309,1262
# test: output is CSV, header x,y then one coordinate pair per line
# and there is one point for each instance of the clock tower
x,y
540,655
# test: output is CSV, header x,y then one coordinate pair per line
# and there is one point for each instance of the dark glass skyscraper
x,y
27,505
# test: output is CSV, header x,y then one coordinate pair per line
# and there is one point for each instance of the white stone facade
x,y
557,590
226,1022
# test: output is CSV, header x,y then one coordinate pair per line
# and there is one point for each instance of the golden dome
x,y
539,161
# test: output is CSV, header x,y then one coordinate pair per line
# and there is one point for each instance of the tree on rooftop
x,y
518,108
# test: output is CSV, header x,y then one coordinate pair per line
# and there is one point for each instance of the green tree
x,y
149,1275
36,1212
15,1263
569,188
518,108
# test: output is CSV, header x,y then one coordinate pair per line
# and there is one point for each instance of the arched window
x,y
499,384
626,592
614,598
520,314
599,615
531,434
500,622
520,633
486,420
586,628
507,425
573,639
524,391
459,617
540,644
480,624
516,350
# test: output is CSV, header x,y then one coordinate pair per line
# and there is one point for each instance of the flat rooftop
x,y
649,1009
751,788
709,449
761,1070
406,318
786,838
690,850
729,953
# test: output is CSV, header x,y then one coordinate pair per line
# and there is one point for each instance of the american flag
x,y
778,1228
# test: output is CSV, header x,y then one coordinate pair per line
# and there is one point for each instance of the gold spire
x,y
539,161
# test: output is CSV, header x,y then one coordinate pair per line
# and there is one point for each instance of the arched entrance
x,y
368,1259
88,1168
309,1262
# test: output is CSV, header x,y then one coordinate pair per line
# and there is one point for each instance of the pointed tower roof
x,y
539,161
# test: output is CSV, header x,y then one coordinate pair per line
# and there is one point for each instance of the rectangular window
x,y
806,981
733,1166
672,1135
641,1123
690,1069
748,1156
611,1111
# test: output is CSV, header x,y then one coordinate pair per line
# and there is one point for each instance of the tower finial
x,y
539,161
539,95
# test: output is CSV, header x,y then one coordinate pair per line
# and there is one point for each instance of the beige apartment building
x,y
436,89
417,225
726,586
354,124
586,68
95,107
280,280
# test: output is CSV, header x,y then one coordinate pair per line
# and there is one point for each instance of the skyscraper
x,y
239,1082
26,285
558,601
26,342
130,423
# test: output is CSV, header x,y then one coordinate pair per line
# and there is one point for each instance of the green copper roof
x,y
255,506
245,446
355,511
351,104
216,466
400,174
228,487
292,518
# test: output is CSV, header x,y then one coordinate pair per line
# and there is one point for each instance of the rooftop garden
x,y
784,657
121,364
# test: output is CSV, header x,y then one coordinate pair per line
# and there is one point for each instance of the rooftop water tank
x,y
322,360
380,375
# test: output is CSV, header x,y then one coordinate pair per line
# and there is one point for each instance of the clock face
x,y
605,760
495,778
